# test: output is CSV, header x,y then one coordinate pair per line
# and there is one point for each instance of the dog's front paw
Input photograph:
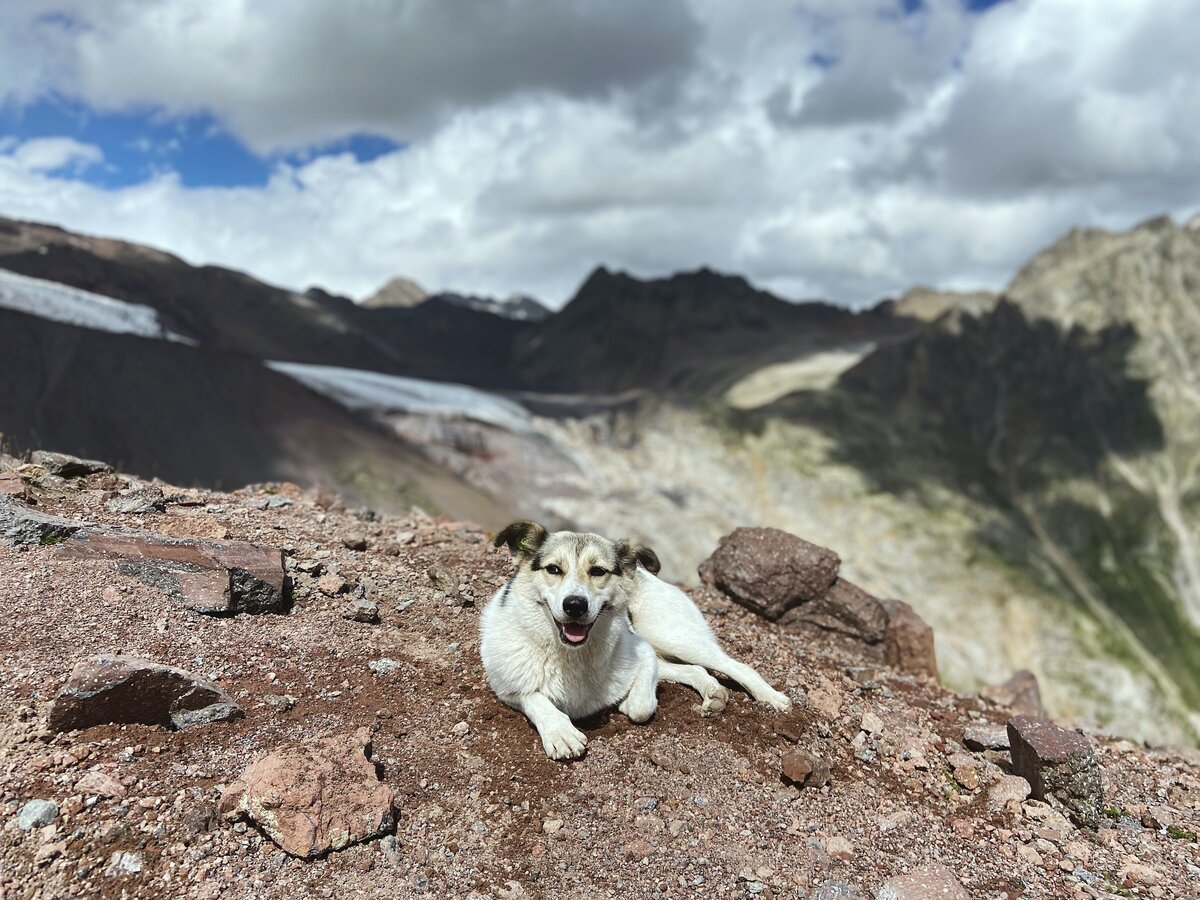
x,y
715,699
564,742
778,701
638,706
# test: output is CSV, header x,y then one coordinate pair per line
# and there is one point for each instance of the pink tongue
x,y
575,632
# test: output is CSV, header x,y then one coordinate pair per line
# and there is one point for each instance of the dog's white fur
x,y
642,631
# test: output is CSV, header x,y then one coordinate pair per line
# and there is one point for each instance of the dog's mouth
x,y
573,633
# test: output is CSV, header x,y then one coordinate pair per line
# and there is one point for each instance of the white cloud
x,y
53,154
943,147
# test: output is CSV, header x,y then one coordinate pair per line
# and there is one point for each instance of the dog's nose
x,y
575,606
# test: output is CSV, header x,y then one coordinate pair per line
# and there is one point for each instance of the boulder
x,y
20,525
1060,766
323,795
66,466
770,571
908,641
846,609
208,576
107,689
932,882
1020,693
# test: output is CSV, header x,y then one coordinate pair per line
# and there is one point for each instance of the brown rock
x,y
1058,764
215,577
12,485
332,585
322,796
846,609
932,882
1008,789
908,642
66,466
769,571
804,769
1020,693
355,542
106,689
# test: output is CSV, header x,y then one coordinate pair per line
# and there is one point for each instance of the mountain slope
x,y
201,417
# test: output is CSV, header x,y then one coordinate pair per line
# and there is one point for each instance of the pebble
x,y
37,813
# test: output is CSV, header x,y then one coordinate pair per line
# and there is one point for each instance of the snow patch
x,y
72,306
363,390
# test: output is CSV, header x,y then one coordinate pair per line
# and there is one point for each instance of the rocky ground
x,y
381,636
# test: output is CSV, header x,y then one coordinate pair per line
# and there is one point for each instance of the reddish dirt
x,y
680,807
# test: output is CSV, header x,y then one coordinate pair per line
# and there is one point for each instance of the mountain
x,y
690,333
1021,467
205,417
401,292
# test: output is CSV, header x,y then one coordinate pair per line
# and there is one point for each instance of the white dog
x,y
581,628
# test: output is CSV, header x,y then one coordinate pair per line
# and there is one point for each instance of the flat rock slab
x,y
104,690
20,525
322,796
932,882
64,465
769,571
985,736
1060,766
215,577
846,609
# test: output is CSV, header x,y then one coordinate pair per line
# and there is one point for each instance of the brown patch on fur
x,y
629,555
523,538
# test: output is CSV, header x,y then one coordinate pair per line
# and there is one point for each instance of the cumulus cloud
x,y
54,154
831,148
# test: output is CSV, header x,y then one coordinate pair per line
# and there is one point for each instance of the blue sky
x,y
843,149
140,143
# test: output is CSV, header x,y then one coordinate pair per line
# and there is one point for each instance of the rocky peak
x,y
401,292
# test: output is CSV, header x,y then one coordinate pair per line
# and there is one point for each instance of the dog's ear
x,y
523,538
630,554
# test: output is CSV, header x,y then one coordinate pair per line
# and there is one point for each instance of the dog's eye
x,y
597,572
553,570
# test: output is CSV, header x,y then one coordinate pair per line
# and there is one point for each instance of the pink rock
x,y
932,882
100,784
321,796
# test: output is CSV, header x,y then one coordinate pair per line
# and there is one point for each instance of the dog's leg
x,y
696,677
711,656
560,738
642,700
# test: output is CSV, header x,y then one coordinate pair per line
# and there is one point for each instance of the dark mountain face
x,y
1022,400
228,310
689,331
196,416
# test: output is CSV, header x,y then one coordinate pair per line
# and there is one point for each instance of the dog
x,y
585,625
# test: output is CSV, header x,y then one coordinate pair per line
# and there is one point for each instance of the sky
x,y
835,149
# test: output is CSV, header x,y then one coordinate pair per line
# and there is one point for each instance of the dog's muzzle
x,y
574,633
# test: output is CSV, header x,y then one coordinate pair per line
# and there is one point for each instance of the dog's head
x,y
576,577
